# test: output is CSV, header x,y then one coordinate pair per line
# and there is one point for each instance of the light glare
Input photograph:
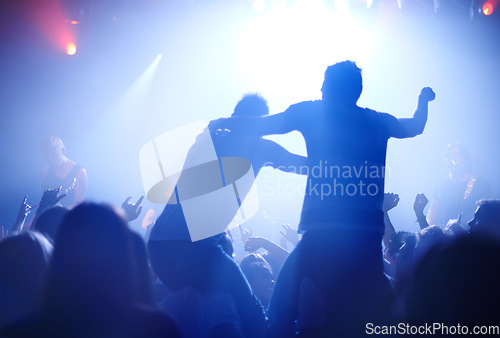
x,y
71,48
487,8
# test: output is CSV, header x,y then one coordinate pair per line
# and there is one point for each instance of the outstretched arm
x,y
409,127
24,210
391,200
268,125
282,159
418,206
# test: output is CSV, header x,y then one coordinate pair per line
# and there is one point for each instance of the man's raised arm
x,y
409,127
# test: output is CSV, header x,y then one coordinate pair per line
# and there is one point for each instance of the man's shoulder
x,y
375,113
379,117
305,106
371,111
303,111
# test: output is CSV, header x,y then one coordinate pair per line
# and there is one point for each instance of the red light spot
x,y
71,48
52,21
488,8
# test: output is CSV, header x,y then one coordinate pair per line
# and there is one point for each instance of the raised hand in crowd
x,y
23,212
132,210
419,206
49,199
391,200
289,234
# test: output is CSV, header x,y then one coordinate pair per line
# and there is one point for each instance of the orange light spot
x,y
71,48
74,22
487,8
148,219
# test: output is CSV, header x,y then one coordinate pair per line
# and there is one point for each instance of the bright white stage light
x,y
288,49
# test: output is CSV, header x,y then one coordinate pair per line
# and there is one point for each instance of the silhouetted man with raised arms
x,y
333,282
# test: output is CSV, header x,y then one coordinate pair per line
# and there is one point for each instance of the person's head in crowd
x,y
54,151
397,240
487,218
50,220
24,260
226,243
251,105
93,266
457,283
343,84
94,286
428,238
396,243
259,275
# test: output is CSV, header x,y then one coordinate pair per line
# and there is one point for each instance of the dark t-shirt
x,y
346,164
346,151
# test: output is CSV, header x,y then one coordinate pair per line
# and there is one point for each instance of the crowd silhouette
x,y
79,270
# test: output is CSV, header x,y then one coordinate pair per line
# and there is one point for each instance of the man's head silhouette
x,y
251,105
343,84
